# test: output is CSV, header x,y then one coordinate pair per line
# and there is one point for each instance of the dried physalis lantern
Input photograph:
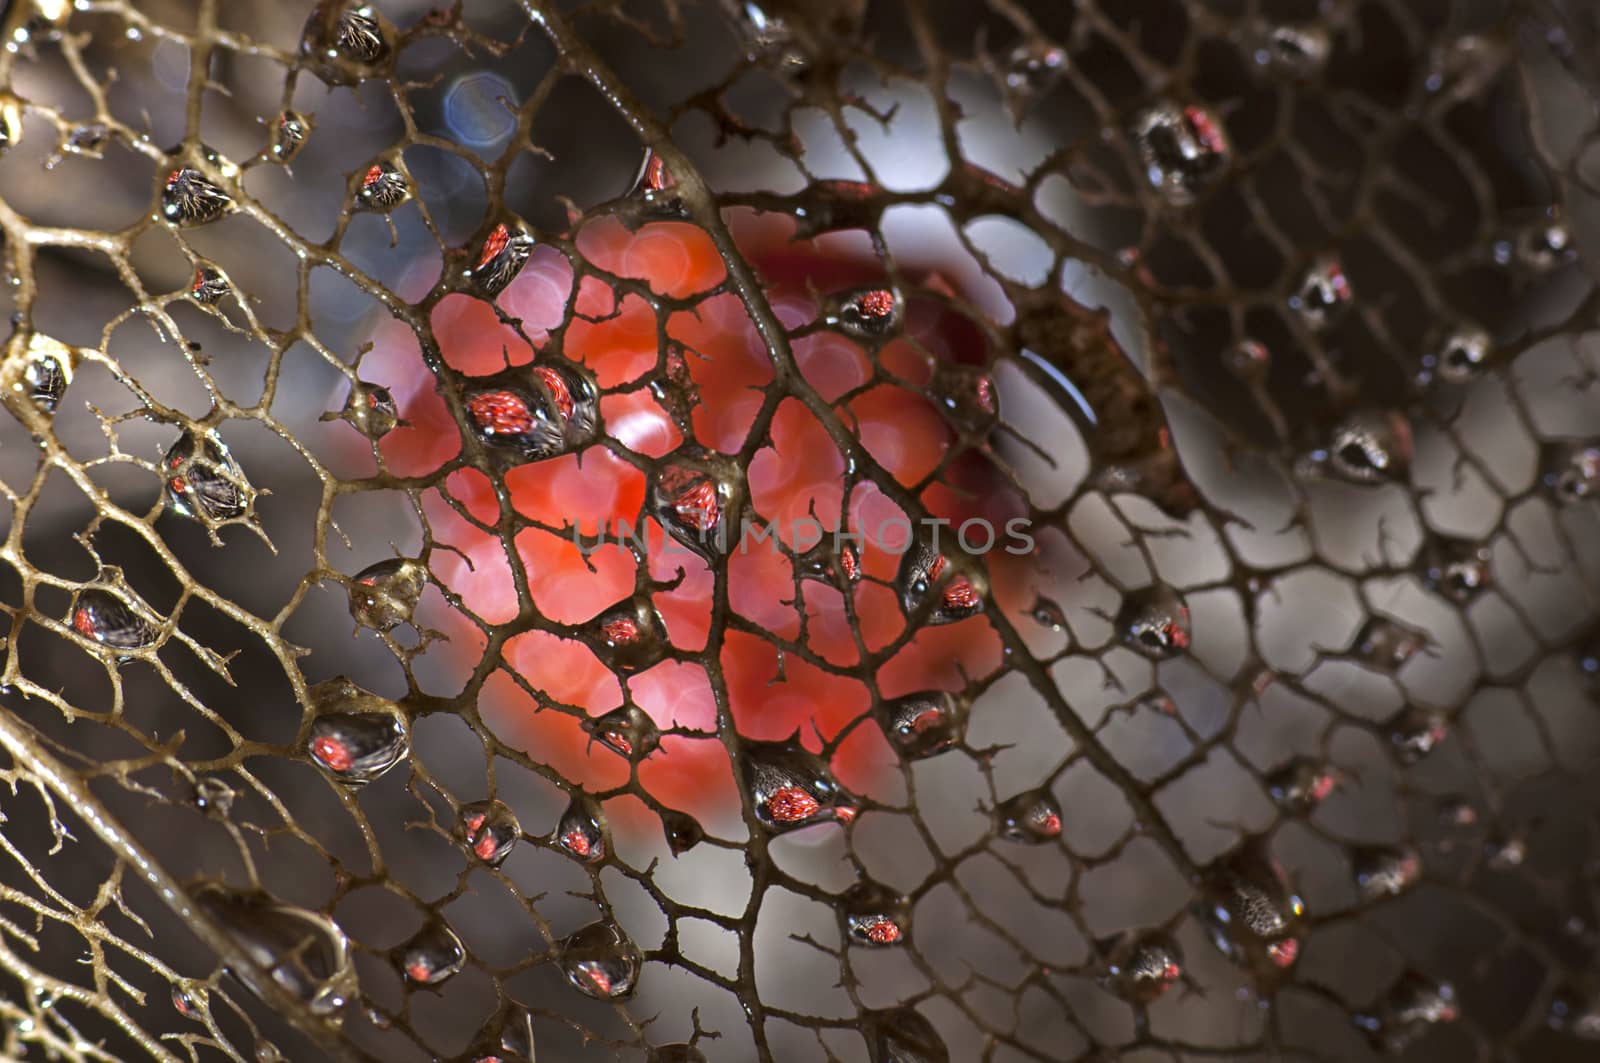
x,y
36,374
1250,912
500,258
355,735
1182,148
383,188
1140,966
600,961
386,594
432,955
345,41
1031,816
873,914
289,949
370,409
581,831
922,584
790,787
627,730
112,619
287,135
922,724
202,481
208,285
193,188
489,830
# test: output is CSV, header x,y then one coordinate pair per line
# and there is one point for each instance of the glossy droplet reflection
x,y
601,962
489,830
298,952
1371,446
791,787
383,188
1154,622
370,409
1414,731
1032,816
355,735
1183,148
432,955
925,582
1413,1005
203,482
874,914
696,502
1251,914
500,258
581,830
903,1035
385,595
1324,293
922,724
628,730
1141,965
1384,871
1301,784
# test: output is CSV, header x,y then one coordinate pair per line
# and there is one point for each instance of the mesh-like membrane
x,y
1242,706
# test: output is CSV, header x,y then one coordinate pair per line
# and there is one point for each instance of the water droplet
x,y
286,135
213,796
695,503
1032,66
1047,614
1575,1013
582,830
902,1035
967,395
1461,356
39,369
189,197
1249,360
1141,965
509,1041
189,999
343,41
1384,871
1414,731
1572,472
202,480
383,188
1323,294
919,575
1031,816
769,37
791,787
111,619
863,313
656,190
1301,784
267,1052
504,252
601,962
209,285
1543,245
678,1053
683,832
432,955
300,952
489,829
385,594
1182,148
370,409
355,735
874,914
1251,914
1412,1006
629,637
1504,852
1293,51
551,409
1370,446
627,729
1457,569
1386,645
922,724
1154,622
833,560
